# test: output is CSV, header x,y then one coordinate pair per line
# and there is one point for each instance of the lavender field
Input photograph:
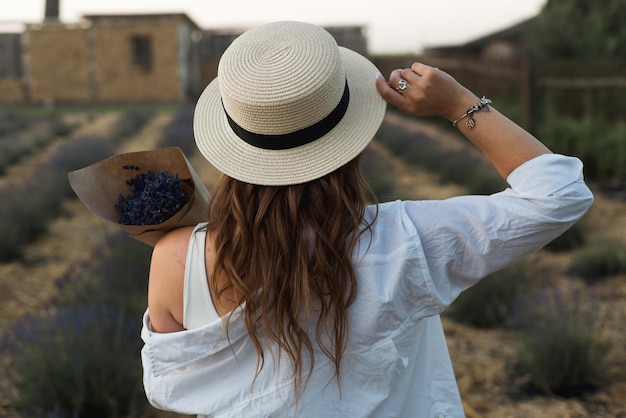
x,y
543,338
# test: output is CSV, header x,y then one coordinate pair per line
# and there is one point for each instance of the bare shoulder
x,y
173,242
166,283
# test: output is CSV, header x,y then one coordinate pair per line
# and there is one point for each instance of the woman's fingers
x,y
401,90
423,90
389,90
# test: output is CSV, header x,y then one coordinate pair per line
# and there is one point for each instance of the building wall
x,y
11,85
11,90
57,61
99,61
118,78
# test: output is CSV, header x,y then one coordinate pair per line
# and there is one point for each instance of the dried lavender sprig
x,y
154,197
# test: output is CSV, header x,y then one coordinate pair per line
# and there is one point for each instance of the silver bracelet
x,y
483,104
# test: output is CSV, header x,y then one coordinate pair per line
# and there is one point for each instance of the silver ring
x,y
401,85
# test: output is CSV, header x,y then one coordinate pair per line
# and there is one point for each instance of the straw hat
x,y
288,106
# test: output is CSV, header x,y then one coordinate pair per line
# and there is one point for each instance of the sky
x,y
398,26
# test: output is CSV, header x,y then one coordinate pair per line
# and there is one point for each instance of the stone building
x,y
57,62
121,58
118,58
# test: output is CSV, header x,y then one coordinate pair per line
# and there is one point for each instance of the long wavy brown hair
x,y
286,252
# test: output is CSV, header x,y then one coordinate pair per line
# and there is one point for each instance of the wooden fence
x,y
541,92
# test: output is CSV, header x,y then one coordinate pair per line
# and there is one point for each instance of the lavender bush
x,y
599,259
14,121
115,275
75,363
90,342
565,350
130,122
30,204
453,165
17,145
179,133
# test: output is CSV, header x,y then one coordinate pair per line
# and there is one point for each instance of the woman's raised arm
x,y
428,91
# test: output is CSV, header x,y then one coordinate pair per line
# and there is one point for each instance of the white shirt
x,y
422,255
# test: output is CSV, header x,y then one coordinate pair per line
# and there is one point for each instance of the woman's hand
x,y
429,92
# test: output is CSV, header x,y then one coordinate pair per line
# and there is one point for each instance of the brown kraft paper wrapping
x,y
99,185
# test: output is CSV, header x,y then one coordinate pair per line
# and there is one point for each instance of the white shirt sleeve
x,y
466,238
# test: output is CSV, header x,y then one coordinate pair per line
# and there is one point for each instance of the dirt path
x,y
25,166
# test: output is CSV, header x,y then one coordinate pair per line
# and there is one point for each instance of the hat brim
x,y
231,155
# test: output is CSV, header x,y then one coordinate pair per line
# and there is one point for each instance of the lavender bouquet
x,y
153,198
145,193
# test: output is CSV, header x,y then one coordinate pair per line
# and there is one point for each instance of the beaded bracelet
x,y
483,104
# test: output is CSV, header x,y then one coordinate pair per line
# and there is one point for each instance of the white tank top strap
x,y
198,308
